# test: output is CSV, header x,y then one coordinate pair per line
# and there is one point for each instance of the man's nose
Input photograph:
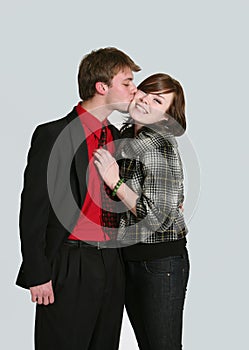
x,y
133,88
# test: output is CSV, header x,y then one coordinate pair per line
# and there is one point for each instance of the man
x,y
74,277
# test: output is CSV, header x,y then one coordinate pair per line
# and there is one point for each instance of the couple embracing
x,y
83,258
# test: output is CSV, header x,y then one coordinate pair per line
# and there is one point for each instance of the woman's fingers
x,y
103,152
104,157
107,167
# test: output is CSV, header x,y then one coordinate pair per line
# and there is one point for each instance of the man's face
x,y
121,91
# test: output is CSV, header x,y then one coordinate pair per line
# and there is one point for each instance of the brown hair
x,y
101,65
163,83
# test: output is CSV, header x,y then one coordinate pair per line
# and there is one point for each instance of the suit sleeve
x,y
34,210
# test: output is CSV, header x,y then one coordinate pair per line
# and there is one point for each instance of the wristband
x,y
118,184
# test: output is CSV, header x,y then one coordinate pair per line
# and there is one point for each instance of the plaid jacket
x,y
151,166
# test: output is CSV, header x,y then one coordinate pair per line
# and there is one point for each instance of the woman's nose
x,y
144,98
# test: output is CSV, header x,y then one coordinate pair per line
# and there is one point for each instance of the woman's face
x,y
150,108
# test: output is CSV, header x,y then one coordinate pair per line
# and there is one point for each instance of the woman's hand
x,y
109,171
181,207
107,167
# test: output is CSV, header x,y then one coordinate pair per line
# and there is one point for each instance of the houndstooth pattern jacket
x,y
151,166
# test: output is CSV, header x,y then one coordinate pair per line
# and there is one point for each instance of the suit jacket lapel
x,y
80,152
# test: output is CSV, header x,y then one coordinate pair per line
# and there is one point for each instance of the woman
x,y
150,184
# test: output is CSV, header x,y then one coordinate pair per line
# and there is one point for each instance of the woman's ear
x,y
101,88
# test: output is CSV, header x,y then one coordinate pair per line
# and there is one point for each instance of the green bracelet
x,y
118,184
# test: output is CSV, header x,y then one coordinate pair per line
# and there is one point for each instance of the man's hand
x,y
42,294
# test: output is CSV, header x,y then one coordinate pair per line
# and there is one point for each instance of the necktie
x,y
109,217
103,137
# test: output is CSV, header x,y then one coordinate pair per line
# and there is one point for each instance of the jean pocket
x,y
162,266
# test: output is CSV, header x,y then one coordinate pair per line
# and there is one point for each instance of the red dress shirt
x,y
88,226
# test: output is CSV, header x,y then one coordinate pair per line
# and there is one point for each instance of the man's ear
x,y
101,88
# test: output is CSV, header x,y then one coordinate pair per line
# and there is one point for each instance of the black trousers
x,y
89,287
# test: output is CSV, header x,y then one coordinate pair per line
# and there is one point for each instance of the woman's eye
x,y
126,84
157,101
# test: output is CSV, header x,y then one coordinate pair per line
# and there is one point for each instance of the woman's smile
x,y
140,107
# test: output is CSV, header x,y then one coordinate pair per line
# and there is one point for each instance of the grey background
x,y
205,46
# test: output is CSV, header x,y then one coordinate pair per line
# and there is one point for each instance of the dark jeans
x,y
155,293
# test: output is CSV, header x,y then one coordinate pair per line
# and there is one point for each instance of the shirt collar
x,y
91,122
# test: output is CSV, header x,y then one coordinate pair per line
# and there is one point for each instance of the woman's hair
x,y
101,65
164,84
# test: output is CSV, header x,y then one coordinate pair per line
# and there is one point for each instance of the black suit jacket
x,y
55,186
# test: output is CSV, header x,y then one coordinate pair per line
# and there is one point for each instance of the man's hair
x,y
101,66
